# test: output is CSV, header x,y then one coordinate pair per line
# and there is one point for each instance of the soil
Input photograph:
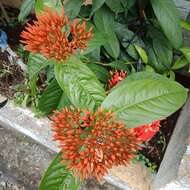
x,y
155,149
10,73
10,76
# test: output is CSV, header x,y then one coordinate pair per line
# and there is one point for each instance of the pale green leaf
x,y
179,63
36,63
185,24
142,53
80,84
104,21
168,17
25,9
186,53
145,97
52,98
58,177
72,8
96,4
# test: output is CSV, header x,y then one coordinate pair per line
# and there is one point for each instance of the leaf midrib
x,y
130,105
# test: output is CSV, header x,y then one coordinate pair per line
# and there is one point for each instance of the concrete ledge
x,y
27,149
24,136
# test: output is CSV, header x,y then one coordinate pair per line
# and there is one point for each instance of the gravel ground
x,y
8,183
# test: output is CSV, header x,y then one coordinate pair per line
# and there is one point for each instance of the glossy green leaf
x,y
127,4
100,72
96,4
128,39
148,68
52,98
142,53
72,8
120,65
25,9
185,24
80,84
104,21
41,4
186,53
168,17
98,40
115,6
57,177
159,52
36,63
179,63
172,75
144,97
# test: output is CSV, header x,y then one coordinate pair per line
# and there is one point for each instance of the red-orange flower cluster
x,y
54,36
146,132
92,143
117,76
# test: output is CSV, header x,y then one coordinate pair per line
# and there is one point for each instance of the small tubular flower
x,y
92,143
54,36
146,132
117,76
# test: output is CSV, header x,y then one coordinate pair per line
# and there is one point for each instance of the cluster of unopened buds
x,y
92,143
116,77
54,36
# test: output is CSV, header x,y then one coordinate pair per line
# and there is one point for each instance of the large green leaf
x,y
159,51
186,53
36,63
115,6
104,21
100,72
144,97
52,98
57,177
96,4
167,15
128,39
120,65
25,9
54,5
142,53
80,84
72,8
180,62
98,40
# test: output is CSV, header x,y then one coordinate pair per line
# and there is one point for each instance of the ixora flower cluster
x,y
92,143
54,36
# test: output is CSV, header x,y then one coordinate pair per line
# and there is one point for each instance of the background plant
x,y
142,38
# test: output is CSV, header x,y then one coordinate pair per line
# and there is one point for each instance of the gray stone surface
x,y
22,158
26,149
182,182
184,7
177,146
25,161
